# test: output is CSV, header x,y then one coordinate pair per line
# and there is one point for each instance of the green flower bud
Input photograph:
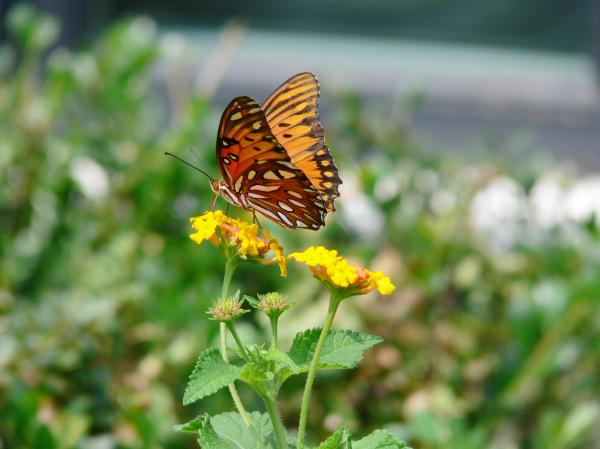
x,y
226,309
271,304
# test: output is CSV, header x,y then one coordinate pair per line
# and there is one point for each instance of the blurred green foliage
x,y
102,294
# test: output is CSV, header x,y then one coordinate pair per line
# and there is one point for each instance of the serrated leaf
x,y
255,374
210,374
339,440
228,431
208,438
342,349
285,365
191,426
380,439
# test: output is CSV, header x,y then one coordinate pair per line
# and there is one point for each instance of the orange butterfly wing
x,y
293,116
253,163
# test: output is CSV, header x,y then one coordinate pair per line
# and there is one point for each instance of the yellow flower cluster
x,y
333,269
237,235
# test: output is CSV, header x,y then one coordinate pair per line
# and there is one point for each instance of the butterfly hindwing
x,y
293,116
253,163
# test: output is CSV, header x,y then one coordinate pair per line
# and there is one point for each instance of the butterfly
x,y
273,159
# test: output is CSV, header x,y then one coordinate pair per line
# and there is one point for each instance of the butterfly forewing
x,y
253,163
292,115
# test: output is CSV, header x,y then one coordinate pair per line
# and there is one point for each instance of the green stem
x,y
230,266
274,321
276,420
236,337
334,302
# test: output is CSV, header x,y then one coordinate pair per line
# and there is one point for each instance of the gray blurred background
x,y
524,74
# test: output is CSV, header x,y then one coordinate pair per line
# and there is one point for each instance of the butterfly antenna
x,y
193,166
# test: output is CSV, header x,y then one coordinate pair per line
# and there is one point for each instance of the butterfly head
x,y
215,185
223,190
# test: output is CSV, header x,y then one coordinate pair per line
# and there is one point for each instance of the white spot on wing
x,y
285,219
310,218
288,164
286,174
256,125
256,195
236,116
270,175
296,194
251,175
264,211
264,188
297,203
285,206
238,183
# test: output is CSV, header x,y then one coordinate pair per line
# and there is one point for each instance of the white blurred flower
x,y
547,201
411,203
443,201
426,180
550,296
386,188
358,213
91,177
36,116
498,210
86,70
142,30
582,200
172,46
102,441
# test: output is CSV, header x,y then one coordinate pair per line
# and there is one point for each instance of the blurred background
x,y
467,134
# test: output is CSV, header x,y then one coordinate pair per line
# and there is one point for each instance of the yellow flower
x,y
238,237
337,272
248,240
277,249
206,225
381,282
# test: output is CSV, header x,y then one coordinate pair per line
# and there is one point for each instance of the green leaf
x,y
210,374
191,426
255,374
251,300
380,439
342,349
339,440
43,438
208,438
228,431
285,365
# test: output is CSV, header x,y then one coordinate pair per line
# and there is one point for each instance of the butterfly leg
x,y
255,219
213,201
227,210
